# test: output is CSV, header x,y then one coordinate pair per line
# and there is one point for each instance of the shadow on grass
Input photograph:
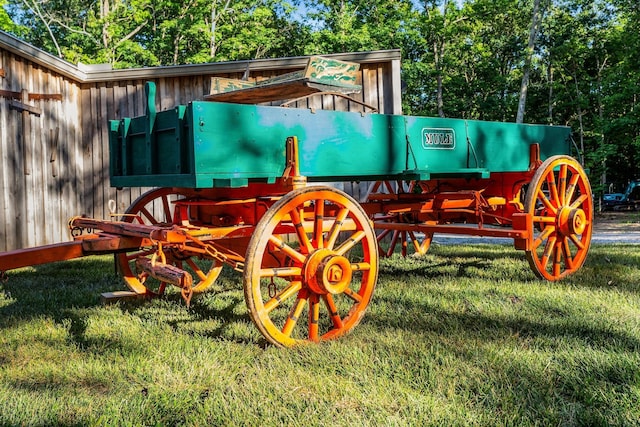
x,y
69,292
52,288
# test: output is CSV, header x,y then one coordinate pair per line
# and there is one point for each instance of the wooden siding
x,y
56,166
41,181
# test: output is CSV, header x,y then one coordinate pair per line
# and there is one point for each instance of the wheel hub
x,y
572,221
327,272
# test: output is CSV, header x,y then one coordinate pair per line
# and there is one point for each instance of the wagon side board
x,y
210,144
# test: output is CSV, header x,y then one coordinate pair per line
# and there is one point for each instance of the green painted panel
x,y
233,141
441,145
207,144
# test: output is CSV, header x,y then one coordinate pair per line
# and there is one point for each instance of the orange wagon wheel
x,y
561,206
155,208
311,267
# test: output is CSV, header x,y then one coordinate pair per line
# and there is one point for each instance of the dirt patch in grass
x,y
617,221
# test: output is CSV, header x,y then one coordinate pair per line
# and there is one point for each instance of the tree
x,y
128,33
87,31
435,30
533,33
258,29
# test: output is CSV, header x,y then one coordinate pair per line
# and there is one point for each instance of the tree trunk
x,y
213,45
438,53
527,62
550,82
214,24
581,124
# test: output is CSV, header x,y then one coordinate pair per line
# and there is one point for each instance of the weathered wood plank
x,y
4,179
87,129
102,167
38,210
17,197
73,182
110,197
370,82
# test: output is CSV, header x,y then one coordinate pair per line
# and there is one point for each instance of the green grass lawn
x,y
463,336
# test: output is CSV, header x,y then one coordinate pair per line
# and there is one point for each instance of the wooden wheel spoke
x,y
544,219
145,212
416,242
360,266
546,202
166,209
543,236
390,189
303,239
557,258
288,250
383,234
333,311
579,201
336,228
318,234
566,250
353,295
294,314
576,241
403,235
282,296
281,272
314,318
562,181
394,242
548,252
572,187
553,188
350,242
375,187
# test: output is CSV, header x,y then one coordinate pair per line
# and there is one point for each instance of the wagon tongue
x,y
169,274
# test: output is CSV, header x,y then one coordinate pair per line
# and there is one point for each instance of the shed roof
x,y
89,73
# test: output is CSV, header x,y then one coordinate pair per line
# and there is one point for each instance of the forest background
x,y
569,62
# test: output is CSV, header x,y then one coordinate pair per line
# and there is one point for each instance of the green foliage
x,y
6,23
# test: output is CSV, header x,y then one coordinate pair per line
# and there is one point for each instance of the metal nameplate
x,y
438,138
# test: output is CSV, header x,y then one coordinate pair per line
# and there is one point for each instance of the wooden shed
x,y
54,127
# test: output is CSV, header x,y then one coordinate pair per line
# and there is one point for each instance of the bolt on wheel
x,y
311,267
